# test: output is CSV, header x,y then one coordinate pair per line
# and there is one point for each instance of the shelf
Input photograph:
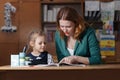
x,y
60,1
50,10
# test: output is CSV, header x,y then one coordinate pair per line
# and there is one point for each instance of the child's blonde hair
x,y
33,35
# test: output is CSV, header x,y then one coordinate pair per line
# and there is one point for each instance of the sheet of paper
x,y
107,6
117,5
92,5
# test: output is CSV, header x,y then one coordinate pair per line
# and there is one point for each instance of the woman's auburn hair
x,y
70,14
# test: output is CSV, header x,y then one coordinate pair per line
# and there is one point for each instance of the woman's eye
x,y
62,26
68,26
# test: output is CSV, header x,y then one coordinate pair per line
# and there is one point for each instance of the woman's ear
x,y
31,43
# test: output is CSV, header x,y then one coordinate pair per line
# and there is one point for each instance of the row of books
x,y
107,45
50,30
104,15
117,16
50,14
92,15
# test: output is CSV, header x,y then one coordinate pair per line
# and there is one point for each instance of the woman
x,y
75,42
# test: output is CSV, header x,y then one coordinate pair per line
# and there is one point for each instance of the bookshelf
x,y
49,9
98,23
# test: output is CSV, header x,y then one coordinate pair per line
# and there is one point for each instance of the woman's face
x,y
67,27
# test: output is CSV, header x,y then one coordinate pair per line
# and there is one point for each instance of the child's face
x,y
39,44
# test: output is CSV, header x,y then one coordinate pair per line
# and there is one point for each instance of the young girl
x,y
38,55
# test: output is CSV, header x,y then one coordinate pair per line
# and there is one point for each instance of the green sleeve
x,y
95,57
58,46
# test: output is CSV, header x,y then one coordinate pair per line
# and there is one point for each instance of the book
x,y
59,64
107,45
14,60
45,11
108,27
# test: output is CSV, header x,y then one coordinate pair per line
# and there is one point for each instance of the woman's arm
x,y
94,49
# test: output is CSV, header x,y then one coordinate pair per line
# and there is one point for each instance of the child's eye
x,y
45,43
42,43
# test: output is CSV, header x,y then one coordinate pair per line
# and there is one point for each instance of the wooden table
x,y
89,72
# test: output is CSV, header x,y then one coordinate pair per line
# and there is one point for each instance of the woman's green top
x,y
86,46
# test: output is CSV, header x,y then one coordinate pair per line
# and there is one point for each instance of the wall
x,y
26,18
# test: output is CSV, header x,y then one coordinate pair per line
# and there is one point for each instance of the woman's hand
x,y
69,60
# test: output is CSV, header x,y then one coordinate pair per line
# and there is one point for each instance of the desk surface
x,y
87,67
89,72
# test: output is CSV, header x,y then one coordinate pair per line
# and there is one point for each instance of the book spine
x,y
45,8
